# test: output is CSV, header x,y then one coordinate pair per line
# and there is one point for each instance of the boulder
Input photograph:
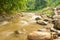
x,y
41,22
40,35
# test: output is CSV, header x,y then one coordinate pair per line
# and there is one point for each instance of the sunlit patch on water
x,y
24,23
6,33
22,31
4,23
30,17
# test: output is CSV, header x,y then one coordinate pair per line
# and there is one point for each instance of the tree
x,y
53,3
9,6
30,4
39,4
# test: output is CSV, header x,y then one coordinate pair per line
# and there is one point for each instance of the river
x,y
24,25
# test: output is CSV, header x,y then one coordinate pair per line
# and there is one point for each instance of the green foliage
x,y
56,3
53,3
11,6
35,4
30,4
39,4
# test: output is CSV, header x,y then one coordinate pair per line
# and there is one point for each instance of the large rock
x,y
57,24
56,21
39,36
41,22
56,17
58,10
36,35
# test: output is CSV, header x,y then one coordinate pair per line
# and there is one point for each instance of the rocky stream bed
x,y
19,27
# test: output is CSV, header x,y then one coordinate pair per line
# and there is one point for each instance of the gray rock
x,y
41,22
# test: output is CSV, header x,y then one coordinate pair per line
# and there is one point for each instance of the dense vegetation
x,y
11,6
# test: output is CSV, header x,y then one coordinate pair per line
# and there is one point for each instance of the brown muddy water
x,y
24,25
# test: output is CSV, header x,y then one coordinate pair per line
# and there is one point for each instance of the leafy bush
x,y
12,6
9,6
53,3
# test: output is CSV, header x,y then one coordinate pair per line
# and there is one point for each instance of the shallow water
x,y
23,24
